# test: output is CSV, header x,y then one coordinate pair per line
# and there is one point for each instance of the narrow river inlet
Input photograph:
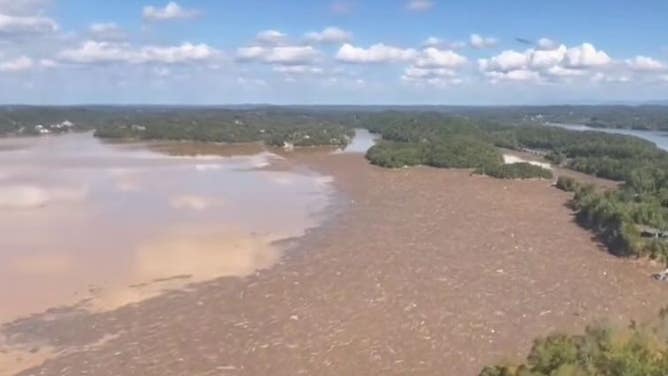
x,y
104,225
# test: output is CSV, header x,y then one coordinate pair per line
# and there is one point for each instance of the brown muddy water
x,y
111,224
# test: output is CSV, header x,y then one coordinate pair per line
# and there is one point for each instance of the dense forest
x,y
16,118
443,141
638,350
273,125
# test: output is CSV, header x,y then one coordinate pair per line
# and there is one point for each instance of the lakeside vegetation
x,y
274,127
637,350
441,141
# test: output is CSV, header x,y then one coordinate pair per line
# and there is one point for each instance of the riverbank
x,y
421,271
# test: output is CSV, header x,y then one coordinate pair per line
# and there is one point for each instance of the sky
x,y
403,52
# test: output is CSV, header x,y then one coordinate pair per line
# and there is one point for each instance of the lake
x,y
660,138
110,224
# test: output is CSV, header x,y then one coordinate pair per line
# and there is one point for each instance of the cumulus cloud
x,y
478,41
435,67
91,52
378,53
270,37
19,64
545,58
171,11
419,5
13,24
504,62
645,64
537,63
282,55
586,56
330,35
432,57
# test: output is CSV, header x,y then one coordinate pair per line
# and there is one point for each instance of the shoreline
x,y
418,271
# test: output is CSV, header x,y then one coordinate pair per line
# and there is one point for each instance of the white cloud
x,y
378,53
545,58
250,53
549,63
330,35
270,37
434,67
559,71
645,64
478,41
419,5
98,52
106,31
176,54
91,52
20,64
586,56
506,61
282,55
288,55
434,58
171,11
26,24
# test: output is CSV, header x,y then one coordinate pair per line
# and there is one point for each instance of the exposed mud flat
x,y
418,271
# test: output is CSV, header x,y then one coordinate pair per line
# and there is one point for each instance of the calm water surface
x,y
83,219
658,137
362,141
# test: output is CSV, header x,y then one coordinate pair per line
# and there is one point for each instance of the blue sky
x,y
333,51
